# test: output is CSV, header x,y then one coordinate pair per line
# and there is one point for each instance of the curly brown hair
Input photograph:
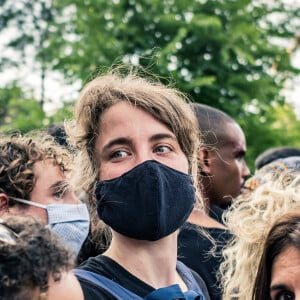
x,y
28,264
18,154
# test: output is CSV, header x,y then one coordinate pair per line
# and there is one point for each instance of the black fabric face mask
x,y
149,202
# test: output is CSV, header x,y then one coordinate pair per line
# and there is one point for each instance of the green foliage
x,y
219,52
62,114
278,125
31,19
18,112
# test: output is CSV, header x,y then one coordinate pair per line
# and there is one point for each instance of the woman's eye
x,y
284,295
162,149
118,154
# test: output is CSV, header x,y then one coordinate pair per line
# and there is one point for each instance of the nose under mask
x,y
149,202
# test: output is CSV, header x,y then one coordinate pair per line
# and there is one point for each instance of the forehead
x,y
289,259
233,136
124,115
125,122
46,171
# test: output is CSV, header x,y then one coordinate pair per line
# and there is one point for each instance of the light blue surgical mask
x,y
71,222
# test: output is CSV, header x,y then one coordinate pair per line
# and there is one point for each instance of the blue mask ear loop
x,y
29,202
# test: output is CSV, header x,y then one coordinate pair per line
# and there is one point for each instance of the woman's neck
x,y
151,262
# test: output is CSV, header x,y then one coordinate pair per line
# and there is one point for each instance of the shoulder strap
x,y
188,277
173,292
109,285
122,293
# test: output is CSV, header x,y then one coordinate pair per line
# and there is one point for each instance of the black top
x,y
193,251
107,267
216,213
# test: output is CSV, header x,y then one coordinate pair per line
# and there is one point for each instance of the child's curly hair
x,y
29,263
18,154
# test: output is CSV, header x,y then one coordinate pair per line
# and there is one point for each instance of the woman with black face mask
x,y
137,144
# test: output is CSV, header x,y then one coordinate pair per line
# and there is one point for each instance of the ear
x,y
204,160
4,207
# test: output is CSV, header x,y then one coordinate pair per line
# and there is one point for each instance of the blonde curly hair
x,y
249,220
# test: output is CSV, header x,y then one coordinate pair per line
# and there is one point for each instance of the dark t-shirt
x,y
216,213
107,267
193,251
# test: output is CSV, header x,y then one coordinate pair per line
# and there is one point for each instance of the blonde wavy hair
x,y
249,220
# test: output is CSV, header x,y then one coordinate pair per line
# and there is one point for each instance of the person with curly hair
x,y
275,168
34,265
275,153
34,174
278,273
249,219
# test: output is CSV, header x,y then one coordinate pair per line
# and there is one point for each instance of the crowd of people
x,y
146,194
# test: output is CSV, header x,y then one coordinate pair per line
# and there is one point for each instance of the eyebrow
x,y
276,287
161,136
63,184
117,141
127,141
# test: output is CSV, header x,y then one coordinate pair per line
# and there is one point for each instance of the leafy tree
x,y
61,114
18,111
222,53
28,21
277,126
219,52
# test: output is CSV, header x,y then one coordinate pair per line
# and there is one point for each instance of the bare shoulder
x,y
67,288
